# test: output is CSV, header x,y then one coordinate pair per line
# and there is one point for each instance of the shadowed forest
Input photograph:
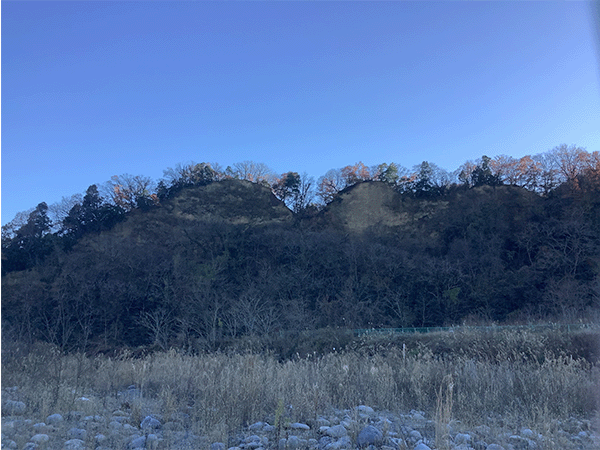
x,y
209,256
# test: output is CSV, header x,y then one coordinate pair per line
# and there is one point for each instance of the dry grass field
x,y
500,378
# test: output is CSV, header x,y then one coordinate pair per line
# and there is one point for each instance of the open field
x,y
458,382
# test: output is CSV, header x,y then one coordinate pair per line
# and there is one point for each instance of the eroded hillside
x,y
227,259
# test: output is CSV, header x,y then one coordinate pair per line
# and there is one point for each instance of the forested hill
x,y
217,259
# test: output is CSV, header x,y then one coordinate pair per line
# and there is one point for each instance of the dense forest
x,y
209,255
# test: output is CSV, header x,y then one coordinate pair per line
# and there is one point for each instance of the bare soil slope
x,y
236,201
377,207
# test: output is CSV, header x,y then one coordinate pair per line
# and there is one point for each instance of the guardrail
x,y
412,330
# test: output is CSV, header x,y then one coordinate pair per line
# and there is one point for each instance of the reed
x,y
220,393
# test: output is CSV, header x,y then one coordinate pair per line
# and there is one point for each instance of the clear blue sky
x,y
95,89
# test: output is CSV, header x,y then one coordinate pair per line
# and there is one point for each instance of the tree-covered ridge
x,y
541,173
206,256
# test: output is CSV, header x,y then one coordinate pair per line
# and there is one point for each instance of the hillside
x,y
235,201
374,207
226,260
228,203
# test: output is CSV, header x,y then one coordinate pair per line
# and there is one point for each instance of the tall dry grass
x,y
526,385
443,412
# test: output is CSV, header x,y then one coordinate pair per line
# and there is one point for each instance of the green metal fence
x,y
384,331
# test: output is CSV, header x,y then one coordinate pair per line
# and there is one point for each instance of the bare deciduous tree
x,y
252,171
159,324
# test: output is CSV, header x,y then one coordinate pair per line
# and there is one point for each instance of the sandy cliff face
x,y
231,202
377,207
235,201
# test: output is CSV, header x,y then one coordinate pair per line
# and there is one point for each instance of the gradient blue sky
x,y
95,89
